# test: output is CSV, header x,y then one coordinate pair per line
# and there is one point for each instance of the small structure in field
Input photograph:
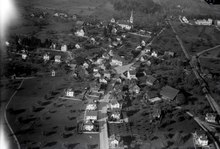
x,y
69,92
64,48
46,57
53,73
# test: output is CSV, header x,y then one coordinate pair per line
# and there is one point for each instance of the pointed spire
x,y
131,18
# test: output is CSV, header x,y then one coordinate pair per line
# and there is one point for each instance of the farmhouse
x,y
69,92
91,115
168,93
200,138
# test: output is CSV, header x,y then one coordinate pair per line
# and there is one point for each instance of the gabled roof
x,y
150,79
92,113
169,92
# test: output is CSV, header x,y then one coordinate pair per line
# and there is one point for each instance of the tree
x,y
180,99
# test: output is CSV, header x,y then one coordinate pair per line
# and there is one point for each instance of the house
x,y
107,75
24,56
91,106
130,74
114,104
112,20
114,31
168,93
46,57
57,58
95,70
204,22
77,46
211,117
143,43
64,48
53,46
53,73
79,23
169,53
69,92
115,62
115,115
150,80
85,65
91,115
113,141
105,56
103,80
80,33
88,125
200,138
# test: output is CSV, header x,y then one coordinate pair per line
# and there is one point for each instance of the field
x,y
41,119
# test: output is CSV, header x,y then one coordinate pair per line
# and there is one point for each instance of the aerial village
x,y
125,87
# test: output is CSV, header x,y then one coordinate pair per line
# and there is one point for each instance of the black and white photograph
x,y
110,74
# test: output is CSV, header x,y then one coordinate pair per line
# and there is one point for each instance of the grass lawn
x,y
47,121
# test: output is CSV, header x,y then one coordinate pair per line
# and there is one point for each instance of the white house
x,y
57,58
91,106
143,43
24,56
155,99
77,46
103,80
80,33
115,115
88,125
46,57
115,62
91,115
200,138
154,54
64,48
114,104
69,92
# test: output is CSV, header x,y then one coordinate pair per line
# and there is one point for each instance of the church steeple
x,y
132,18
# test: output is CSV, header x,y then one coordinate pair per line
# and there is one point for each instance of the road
x,y
103,135
200,53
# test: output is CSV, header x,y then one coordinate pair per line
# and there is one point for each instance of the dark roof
x,y
151,79
91,113
169,92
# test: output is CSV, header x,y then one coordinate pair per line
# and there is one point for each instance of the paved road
x,y
103,135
